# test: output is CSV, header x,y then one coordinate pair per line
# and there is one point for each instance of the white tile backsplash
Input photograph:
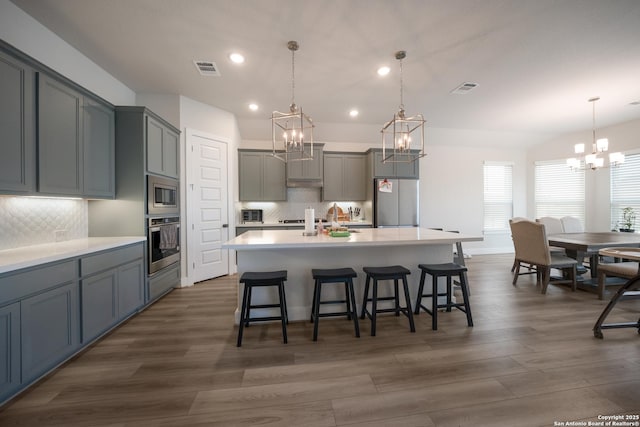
x,y
26,221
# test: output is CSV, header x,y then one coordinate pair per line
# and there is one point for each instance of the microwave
x,y
162,195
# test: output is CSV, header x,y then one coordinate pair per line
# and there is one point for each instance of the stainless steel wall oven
x,y
164,242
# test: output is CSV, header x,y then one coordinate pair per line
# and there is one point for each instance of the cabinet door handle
x,y
225,225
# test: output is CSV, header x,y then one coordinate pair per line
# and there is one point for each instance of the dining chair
x,y
532,247
623,270
516,264
571,224
552,225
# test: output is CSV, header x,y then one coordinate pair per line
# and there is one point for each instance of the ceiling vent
x,y
207,68
464,88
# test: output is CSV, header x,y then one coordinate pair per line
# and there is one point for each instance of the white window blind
x,y
498,196
559,191
625,189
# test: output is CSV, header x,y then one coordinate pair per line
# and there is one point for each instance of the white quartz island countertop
x,y
371,237
290,250
30,256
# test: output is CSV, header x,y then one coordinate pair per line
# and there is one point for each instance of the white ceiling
x,y
536,61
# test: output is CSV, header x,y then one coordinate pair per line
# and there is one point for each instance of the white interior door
x,y
207,206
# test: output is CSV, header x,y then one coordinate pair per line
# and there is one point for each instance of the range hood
x,y
303,183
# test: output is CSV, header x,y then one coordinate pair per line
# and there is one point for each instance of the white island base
x,y
289,250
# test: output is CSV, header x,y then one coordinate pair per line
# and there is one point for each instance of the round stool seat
x,y
386,272
333,273
449,267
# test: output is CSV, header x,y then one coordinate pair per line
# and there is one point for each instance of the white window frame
x,y
625,189
497,197
559,190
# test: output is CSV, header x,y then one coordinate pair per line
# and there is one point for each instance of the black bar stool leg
x,y
316,309
243,310
283,311
434,303
407,299
465,294
366,296
374,307
423,275
354,314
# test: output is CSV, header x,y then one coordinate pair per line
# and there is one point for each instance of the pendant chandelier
x,y
403,137
292,132
593,161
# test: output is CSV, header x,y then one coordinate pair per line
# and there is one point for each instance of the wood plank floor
x,y
530,360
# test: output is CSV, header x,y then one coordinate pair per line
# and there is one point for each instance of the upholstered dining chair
x,y
530,269
532,247
572,224
623,270
551,225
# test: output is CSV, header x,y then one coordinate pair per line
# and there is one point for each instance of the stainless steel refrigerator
x,y
395,205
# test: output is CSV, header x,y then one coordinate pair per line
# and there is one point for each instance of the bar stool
x,y
335,275
395,273
253,279
443,270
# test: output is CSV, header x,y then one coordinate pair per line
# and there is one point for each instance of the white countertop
x,y
290,239
30,256
299,224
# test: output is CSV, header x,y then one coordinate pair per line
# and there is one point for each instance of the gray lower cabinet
x,y
9,349
112,288
344,177
49,313
163,145
163,281
17,121
261,176
50,329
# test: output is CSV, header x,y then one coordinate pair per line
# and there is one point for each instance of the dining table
x,y
584,244
630,290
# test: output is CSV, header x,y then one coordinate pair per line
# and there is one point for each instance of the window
x,y
559,190
498,196
625,189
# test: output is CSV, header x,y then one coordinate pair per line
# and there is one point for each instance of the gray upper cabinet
x,y
60,151
17,121
57,138
344,177
99,150
163,146
261,176
306,170
392,169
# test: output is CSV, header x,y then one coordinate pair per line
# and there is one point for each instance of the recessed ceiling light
x,y
383,71
353,113
236,58
253,107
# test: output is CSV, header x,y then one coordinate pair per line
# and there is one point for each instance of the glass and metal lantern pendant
x,y
292,132
403,137
593,161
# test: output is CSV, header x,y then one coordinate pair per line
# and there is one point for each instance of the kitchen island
x,y
262,250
